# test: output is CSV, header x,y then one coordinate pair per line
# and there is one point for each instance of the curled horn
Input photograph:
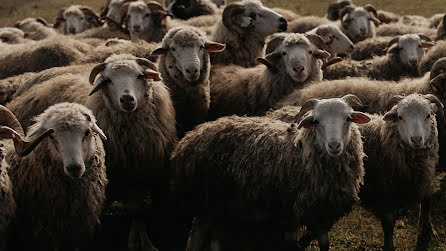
x,y
346,10
147,63
274,41
228,16
308,106
42,21
59,18
438,71
371,8
422,36
352,101
24,148
334,8
7,118
393,101
433,99
96,70
318,41
392,42
155,6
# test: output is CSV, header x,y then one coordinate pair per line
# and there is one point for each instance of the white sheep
x,y
77,19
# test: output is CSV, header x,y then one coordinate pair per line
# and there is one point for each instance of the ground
x,y
359,230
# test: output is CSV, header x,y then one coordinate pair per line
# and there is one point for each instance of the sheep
x,y
10,85
136,114
441,29
244,28
375,94
387,17
397,29
40,55
103,32
146,21
403,57
111,13
185,66
271,177
77,19
402,149
336,41
36,28
11,35
185,9
289,15
67,167
367,49
434,54
306,23
252,91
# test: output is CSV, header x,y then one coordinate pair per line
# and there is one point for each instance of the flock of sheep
x,y
216,127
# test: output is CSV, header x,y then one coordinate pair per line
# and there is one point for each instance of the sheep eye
x,y
349,119
82,18
87,134
315,121
310,52
419,46
253,15
172,49
400,118
428,116
147,15
142,76
283,53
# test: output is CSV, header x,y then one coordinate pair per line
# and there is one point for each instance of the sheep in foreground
x,y
185,9
402,149
76,19
403,57
145,21
40,55
36,28
253,91
185,66
138,118
67,167
268,176
244,28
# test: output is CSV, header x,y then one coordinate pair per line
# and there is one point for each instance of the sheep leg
x,y
427,230
323,242
138,238
199,236
388,223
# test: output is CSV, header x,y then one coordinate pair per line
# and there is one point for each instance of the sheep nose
x,y
283,25
192,72
416,140
75,170
127,99
334,145
298,69
136,28
413,62
72,30
362,30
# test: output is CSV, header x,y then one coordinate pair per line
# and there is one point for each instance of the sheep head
x,y
438,78
410,48
77,19
331,120
413,116
336,41
356,22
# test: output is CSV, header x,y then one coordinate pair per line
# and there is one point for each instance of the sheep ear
x,y
427,44
160,15
8,133
98,84
391,115
151,74
307,122
360,118
214,47
320,54
159,51
394,49
331,62
94,126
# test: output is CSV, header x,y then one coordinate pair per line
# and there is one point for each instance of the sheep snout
x,y
74,170
127,103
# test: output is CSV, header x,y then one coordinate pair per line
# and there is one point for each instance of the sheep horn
x,y
155,6
438,71
7,118
23,148
59,18
334,8
96,70
228,15
393,41
318,41
330,62
274,41
422,36
433,99
371,8
42,21
147,63
346,10
352,101
308,106
393,101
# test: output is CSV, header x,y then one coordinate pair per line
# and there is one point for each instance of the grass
x,y
359,230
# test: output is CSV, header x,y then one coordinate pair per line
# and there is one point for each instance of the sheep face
x,y
72,141
187,50
357,24
332,119
410,49
139,17
413,116
75,21
252,16
124,83
336,41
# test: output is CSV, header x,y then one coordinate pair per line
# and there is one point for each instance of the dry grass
x,y
357,231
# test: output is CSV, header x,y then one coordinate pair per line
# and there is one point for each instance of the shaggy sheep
x,y
185,66
146,21
336,41
77,19
306,23
253,91
185,9
104,32
398,29
268,176
10,35
40,55
403,57
387,17
136,114
402,152
111,13
367,49
9,86
244,28
36,28
435,53
66,168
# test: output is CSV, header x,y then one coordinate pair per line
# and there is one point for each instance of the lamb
x,y
185,66
36,28
270,177
403,56
253,91
402,149
77,19
185,9
244,28
136,114
145,21
40,55
68,167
